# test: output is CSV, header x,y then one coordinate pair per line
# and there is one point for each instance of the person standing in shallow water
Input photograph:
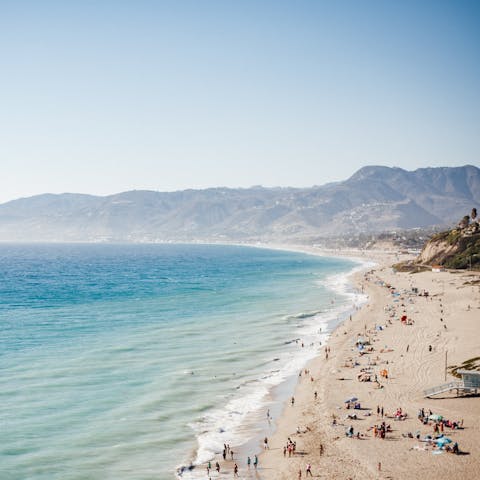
x,y
255,461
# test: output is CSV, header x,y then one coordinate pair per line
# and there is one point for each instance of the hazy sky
x,y
105,96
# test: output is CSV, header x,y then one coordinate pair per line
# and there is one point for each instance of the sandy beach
x,y
413,353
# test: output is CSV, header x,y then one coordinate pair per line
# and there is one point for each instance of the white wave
x,y
303,315
237,422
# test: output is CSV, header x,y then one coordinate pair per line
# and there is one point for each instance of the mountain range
x,y
374,199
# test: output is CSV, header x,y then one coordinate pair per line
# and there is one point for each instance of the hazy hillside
x,y
373,199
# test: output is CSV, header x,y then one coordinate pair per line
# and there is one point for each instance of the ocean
x,y
130,361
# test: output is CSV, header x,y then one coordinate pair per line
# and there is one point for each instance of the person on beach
x,y
217,467
293,401
255,462
265,443
235,470
249,461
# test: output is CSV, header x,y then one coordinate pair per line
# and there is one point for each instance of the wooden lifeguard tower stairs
x,y
468,385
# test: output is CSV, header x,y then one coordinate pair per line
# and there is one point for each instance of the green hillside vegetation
x,y
472,364
467,255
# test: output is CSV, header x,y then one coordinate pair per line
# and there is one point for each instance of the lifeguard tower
x,y
468,385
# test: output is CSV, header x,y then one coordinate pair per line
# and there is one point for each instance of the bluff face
x,y
453,249
374,199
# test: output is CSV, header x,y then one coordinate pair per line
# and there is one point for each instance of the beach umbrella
x,y
435,417
351,399
442,441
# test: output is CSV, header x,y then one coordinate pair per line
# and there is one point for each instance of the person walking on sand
x,y
235,470
265,444
249,461
309,470
293,401
299,474
217,467
255,461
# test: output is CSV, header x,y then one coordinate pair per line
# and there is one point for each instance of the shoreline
x,y
277,394
325,447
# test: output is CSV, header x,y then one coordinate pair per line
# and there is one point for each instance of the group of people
x,y
308,471
400,414
235,465
380,431
439,423
227,451
289,448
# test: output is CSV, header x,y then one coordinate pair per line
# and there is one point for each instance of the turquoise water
x,y
125,362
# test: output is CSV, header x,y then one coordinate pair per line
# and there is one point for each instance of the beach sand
x,y
326,447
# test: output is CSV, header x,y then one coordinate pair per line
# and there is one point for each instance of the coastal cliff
x,y
458,248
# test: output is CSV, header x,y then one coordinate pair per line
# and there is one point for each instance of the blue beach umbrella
x,y
442,441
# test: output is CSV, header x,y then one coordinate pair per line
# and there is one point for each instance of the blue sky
x,y
106,96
